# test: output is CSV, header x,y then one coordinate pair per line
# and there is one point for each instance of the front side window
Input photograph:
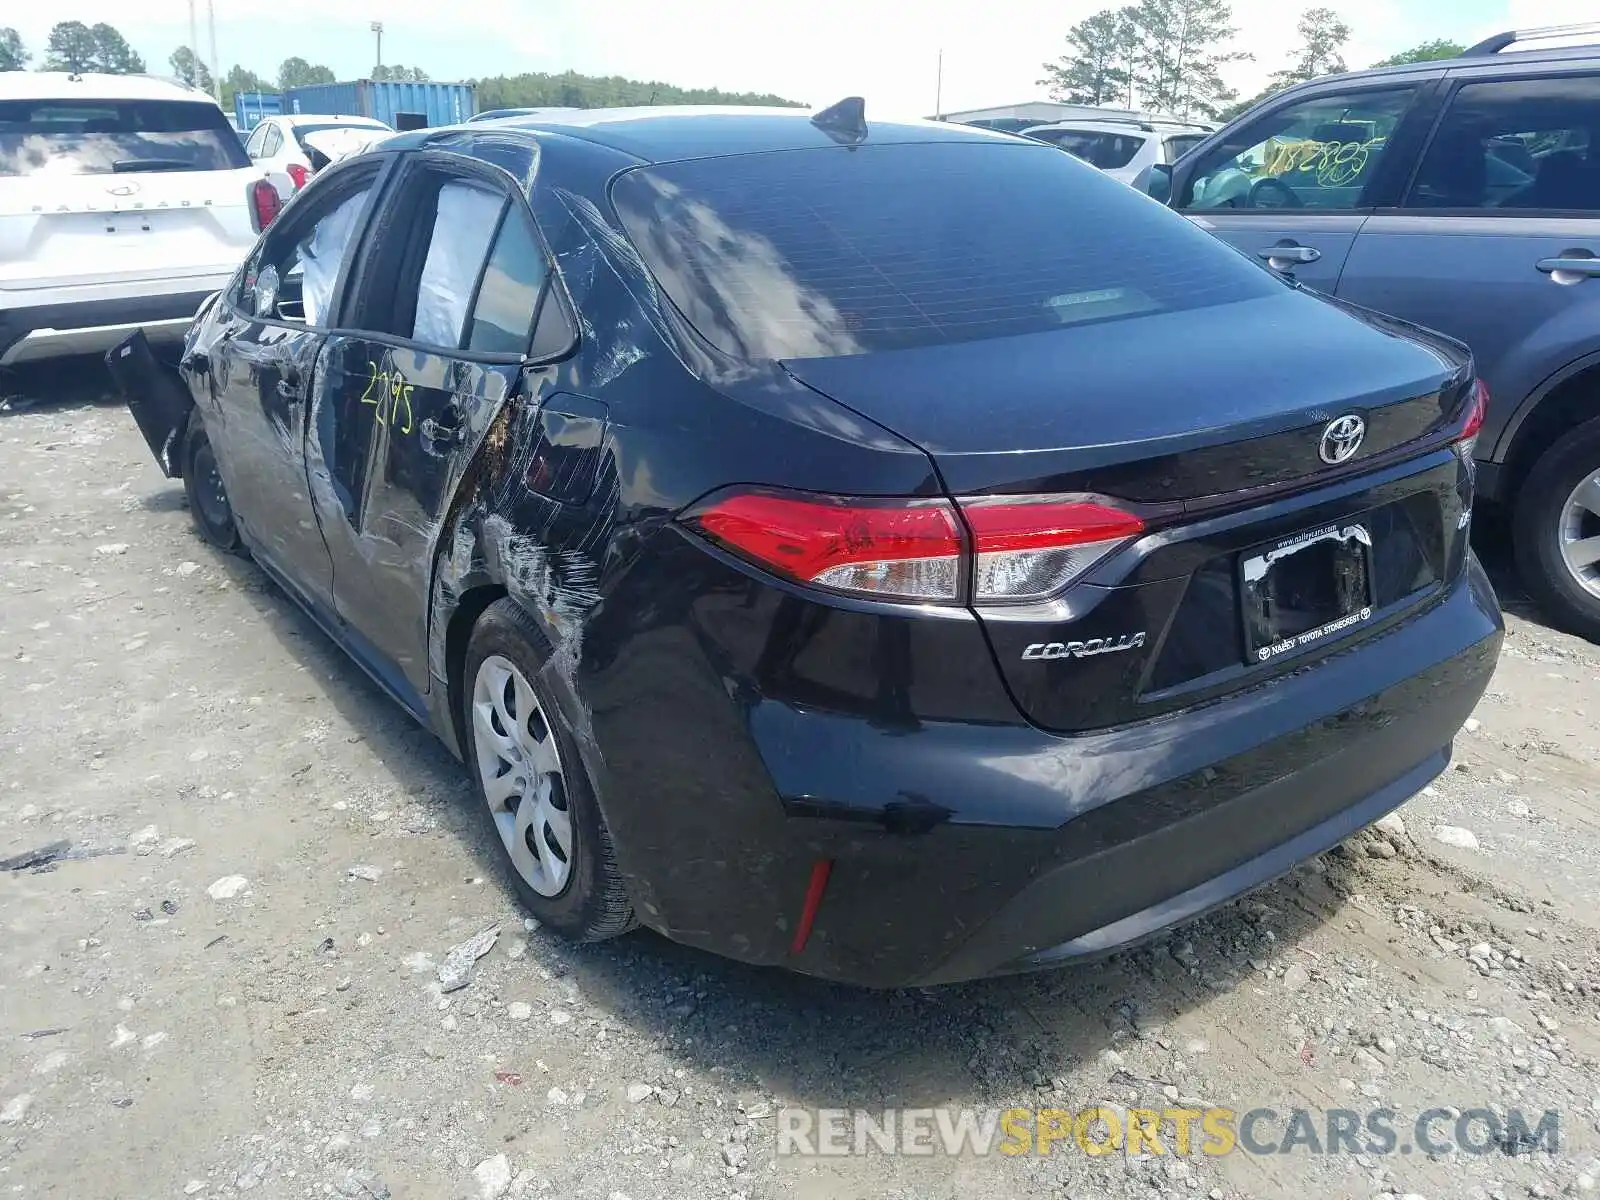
x,y
836,251
1515,144
115,137
1320,153
293,276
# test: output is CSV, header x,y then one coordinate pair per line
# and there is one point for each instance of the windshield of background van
x,y
836,251
105,137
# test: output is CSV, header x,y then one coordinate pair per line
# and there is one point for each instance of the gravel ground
x,y
229,979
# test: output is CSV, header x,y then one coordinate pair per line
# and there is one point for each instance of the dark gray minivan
x,y
1463,195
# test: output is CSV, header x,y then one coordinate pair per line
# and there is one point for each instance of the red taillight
x,y
264,204
1019,548
899,549
298,174
1478,409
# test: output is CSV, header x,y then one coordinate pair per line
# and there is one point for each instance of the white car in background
x,y
1122,147
125,201
280,145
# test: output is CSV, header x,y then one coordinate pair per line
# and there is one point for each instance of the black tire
x,y
593,905
208,499
1536,530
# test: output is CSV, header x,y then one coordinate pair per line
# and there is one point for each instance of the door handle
x,y
289,387
439,436
1569,268
1289,255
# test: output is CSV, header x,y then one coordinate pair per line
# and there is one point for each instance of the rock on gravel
x,y
519,1010
1454,835
15,1109
229,887
493,1176
638,1092
1391,825
1296,977
457,969
370,874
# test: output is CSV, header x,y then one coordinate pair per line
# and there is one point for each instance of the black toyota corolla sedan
x,y
897,552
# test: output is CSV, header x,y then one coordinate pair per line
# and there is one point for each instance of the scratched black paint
x,y
735,727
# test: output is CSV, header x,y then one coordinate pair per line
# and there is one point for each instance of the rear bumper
x,y
963,850
93,326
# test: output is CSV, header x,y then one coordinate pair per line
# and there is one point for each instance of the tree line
x,y
1166,56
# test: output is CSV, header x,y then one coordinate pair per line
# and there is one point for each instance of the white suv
x,y
1122,148
124,202
287,148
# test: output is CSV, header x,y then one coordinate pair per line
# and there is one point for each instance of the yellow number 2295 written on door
x,y
392,393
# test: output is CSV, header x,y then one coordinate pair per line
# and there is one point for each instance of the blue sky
x,y
810,50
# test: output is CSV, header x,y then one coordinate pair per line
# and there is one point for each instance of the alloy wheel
x,y
1578,535
520,766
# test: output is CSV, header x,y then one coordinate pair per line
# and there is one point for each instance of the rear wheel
x,y
1557,531
532,782
208,498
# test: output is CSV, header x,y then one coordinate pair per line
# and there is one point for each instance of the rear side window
x,y
464,223
1515,144
508,296
818,253
105,137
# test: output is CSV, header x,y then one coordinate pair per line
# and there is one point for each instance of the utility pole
x,y
216,66
938,88
194,44
377,28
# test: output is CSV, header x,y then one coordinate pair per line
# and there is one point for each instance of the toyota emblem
x,y
1341,439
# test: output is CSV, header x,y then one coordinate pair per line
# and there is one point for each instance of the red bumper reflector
x,y
820,871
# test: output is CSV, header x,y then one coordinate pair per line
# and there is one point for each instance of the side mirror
x,y
266,304
1155,181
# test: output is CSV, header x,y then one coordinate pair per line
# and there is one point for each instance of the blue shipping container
x,y
250,107
386,100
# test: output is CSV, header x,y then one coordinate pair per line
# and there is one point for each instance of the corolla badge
x,y
1088,649
122,189
1341,439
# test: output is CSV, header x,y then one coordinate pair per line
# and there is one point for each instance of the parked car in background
x,y
1463,195
1122,148
496,114
124,202
278,146
860,593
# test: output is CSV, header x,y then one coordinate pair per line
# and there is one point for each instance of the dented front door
x,y
394,430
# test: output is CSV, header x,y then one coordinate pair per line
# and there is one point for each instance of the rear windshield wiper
x,y
124,165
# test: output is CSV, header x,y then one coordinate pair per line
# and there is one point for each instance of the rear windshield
x,y
819,253
300,131
1108,151
104,137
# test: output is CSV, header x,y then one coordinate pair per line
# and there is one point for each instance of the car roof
x,y
1511,60
60,85
663,133
323,119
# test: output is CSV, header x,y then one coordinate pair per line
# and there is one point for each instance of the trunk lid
x,y
1259,556
1167,407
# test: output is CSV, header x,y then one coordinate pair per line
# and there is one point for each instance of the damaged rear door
x,y
446,304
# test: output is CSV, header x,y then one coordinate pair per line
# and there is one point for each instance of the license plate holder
x,y
1305,589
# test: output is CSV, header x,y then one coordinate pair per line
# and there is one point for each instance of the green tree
x,y
71,48
1091,71
13,57
112,54
297,72
400,74
1322,39
186,65
1181,55
1432,51
237,80
572,90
